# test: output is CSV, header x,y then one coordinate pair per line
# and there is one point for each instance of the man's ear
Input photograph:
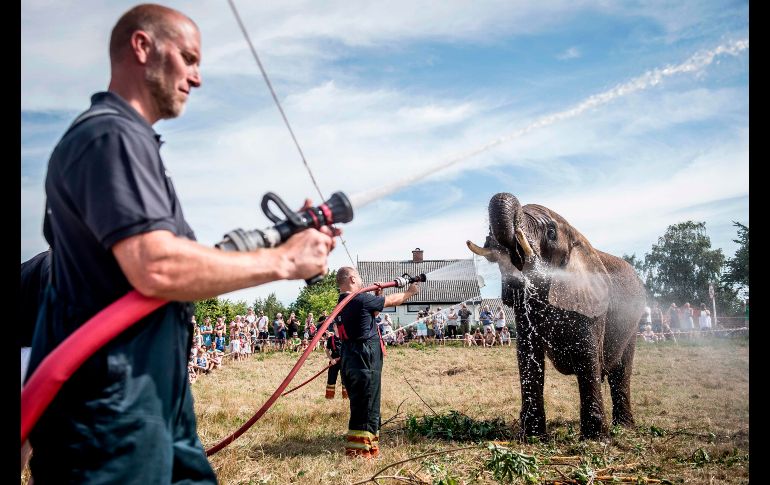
x,y
141,46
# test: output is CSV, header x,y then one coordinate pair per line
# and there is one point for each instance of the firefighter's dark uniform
x,y
333,343
362,355
126,416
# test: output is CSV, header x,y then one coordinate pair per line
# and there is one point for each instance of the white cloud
x,y
571,53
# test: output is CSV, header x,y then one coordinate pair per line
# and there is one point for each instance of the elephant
x,y
575,304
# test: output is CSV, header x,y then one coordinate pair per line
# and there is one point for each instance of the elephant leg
x,y
592,421
619,379
531,356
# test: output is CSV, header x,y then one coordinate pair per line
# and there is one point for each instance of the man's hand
x,y
396,299
306,253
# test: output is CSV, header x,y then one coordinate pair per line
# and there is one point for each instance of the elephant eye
x,y
551,233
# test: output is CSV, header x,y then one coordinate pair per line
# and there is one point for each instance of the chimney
x,y
417,255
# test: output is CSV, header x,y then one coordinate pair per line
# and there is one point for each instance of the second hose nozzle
x,y
406,279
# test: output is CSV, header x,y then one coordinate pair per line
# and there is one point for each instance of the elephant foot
x,y
594,430
531,427
625,419
526,436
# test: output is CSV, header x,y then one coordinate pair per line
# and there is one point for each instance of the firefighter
x,y
333,345
362,353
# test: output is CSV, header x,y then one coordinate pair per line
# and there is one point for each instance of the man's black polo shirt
x,y
357,316
105,182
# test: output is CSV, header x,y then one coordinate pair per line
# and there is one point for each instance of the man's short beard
x,y
161,94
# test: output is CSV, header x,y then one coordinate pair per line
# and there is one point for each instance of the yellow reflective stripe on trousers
x,y
360,434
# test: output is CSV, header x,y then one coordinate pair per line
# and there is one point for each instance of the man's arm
x,y
397,299
161,265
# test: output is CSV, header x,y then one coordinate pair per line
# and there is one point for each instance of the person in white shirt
x,y
704,320
452,319
262,329
439,322
499,319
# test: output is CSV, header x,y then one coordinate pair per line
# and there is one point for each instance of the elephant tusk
x,y
524,243
487,253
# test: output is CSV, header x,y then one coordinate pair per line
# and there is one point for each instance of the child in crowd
x,y
191,374
648,334
235,345
215,359
505,337
468,340
489,336
478,339
202,363
295,342
219,341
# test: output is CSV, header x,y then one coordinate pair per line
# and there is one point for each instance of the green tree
x,y
210,307
636,263
680,267
317,298
737,268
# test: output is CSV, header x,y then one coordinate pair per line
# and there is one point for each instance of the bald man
x,y
114,223
362,353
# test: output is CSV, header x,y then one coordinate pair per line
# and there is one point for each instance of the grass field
x,y
690,402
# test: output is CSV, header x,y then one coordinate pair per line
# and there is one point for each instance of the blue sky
x,y
624,117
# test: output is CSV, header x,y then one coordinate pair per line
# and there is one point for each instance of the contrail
x,y
697,62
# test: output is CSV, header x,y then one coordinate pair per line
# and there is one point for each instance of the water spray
x,y
336,209
695,63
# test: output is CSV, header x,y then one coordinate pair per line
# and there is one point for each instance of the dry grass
x,y
688,398
683,391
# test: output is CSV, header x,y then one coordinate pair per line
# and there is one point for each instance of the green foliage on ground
x,y
456,426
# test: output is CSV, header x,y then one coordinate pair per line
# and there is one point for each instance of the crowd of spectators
x,y
250,334
245,336
682,322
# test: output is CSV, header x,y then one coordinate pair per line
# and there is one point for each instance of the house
x,y
449,282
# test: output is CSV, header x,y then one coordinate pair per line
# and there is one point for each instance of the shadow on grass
x,y
323,444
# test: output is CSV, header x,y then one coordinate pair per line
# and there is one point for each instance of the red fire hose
x,y
64,360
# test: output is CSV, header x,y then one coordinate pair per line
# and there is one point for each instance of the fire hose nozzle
x,y
406,279
336,209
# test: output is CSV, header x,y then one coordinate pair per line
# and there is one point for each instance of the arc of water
x,y
696,62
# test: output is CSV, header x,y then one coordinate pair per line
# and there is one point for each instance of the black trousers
x,y
361,373
331,376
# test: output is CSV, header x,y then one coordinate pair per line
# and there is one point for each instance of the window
x,y
390,309
415,308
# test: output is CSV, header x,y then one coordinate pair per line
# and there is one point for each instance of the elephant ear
x,y
582,285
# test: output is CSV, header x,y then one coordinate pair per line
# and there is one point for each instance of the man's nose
x,y
195,77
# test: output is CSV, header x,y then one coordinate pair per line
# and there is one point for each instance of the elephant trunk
x,y
505,217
